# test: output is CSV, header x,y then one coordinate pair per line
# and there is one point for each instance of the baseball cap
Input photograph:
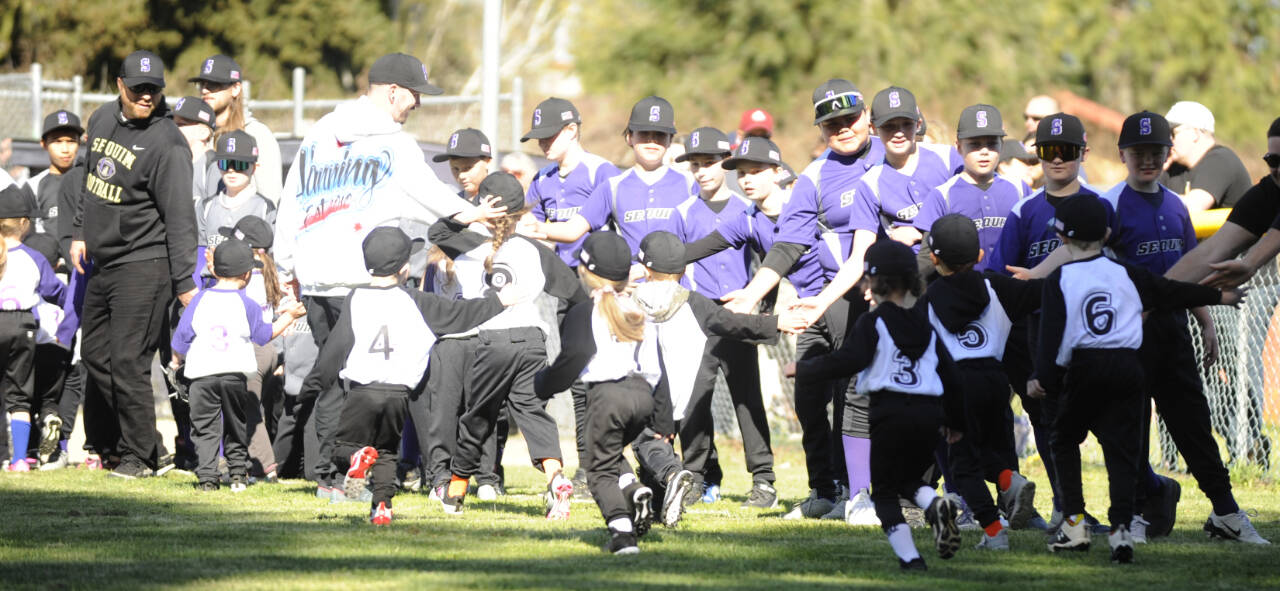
x,y
1145,127
756,119
233,258
980,121
61,119
550,117
786,176
387,249
606,254
506,188
1081,217
195,109
893,102
705,140
466,143
253,230
1274,130
662,251
404,70
237,145
1061,128
14,203
954,239
1010,150
889,257
142,67
1192,114
220,69
836,97
754,149
652,113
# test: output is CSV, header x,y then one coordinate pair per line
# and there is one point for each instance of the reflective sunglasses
x,y
236,165
1272,160
836,103
1067,152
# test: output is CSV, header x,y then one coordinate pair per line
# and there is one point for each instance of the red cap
x,y
756,119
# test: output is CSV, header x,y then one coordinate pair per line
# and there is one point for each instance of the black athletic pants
x,y
373,417
17,349
50,370
220,407
904,435
987,446
1018,350
823,449
322,315
69,402
296,440
122,325
741,368
617,414
1102,393
436,412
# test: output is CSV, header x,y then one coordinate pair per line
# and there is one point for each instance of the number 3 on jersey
x,y
906,375
382,343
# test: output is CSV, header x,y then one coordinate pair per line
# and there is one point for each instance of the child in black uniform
x,y
1090,331
914,392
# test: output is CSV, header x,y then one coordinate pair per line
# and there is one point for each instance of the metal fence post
x,y
77,95
299,94
37,107
517,110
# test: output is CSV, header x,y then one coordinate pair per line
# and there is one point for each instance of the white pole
x,y
517,106
489,72
77,96
299,93
37,102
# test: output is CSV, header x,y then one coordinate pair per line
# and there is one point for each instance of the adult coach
x,y
221,85
356,170
1203,172
138,228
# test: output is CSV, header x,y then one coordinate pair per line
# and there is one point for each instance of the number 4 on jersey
x,y
382,343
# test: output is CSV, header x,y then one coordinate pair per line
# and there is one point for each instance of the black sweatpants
x,y
617,414
18,351
69,402
1173,381
506,362
1018,366
987,446
740,365
904,434
50,370
296,440
436,411
823,449
219,410
1102,393
322,315
374,417
122,325
658,461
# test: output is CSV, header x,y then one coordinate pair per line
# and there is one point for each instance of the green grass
x,y
79,529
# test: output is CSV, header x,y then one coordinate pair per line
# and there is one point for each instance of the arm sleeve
x,y
453,238
534,199
933,208
170,186
560,281
865,213
332,357
798,222
446,316
577,347
1166,294
599,206
1053,319
69,206
705,247
429,198
259,331
1212,175
952,388
783,256
202,221
1008,246
267,177
184,334
1255,209
50,288
853,356
748,328
1019,298
663,421
288,220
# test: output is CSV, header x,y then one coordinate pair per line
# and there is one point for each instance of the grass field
x,y
80,529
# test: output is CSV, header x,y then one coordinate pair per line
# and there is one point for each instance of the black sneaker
x,y
941,516
207,486
762,496
640,497
130,470
1161,509
916,563
622,543
677,487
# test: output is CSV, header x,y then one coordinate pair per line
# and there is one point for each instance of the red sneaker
x,y
381,515
354,484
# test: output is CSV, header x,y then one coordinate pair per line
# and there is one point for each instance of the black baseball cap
x,y
705,140
836,97
1145,127
506,188
889,257
237,145
404,70
1010,150
195,109
954,239
233,258
219,69
662,251
550,117
980,121
787,175
14,203
1274,130
606,254
61,119
255,231
1061,128
754,149
142,67
45,244
387,249
466,143
1081,217
652,113
893,102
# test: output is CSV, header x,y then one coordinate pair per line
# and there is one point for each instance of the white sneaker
x,y
1071,536
811,508
559,492
1233,526
1017,502
1138,529
1121,545
437,493
998,542
861,511
487,492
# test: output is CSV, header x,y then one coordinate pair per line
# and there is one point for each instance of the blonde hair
x,y
434,256
11,228
235,118
269,277
625,326
503,228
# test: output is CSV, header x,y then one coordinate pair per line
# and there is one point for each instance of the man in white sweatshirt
x,y
356,170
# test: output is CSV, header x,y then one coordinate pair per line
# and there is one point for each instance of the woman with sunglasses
x,y
220,84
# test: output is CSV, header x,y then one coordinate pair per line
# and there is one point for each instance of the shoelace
x,y
1246,524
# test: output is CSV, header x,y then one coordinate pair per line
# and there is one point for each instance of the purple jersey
x,y
822,202
759,231
638,208
556,198
723,271
988,209
887,198
1027,238
1151,231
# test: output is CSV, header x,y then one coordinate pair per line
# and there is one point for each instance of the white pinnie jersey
x,y
984,337
517,263
1103,308
217,333
614,360
894,371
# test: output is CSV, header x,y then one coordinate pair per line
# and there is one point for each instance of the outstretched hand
x,y
789,370
739,302
1234,296
1228,274
792,322
810,308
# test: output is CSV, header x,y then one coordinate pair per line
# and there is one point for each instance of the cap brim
x,y
79,130
214,79
132,81
968,134
1166,143
426,88
735,162
634,127
685,156
542,133
236,157
882,118
416,245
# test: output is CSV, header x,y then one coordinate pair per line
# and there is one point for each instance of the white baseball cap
x,y
1190,113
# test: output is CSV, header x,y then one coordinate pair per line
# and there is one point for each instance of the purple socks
x,y
857,460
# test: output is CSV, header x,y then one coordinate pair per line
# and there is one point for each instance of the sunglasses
x,y
836,103
145,89
1272,160
213,86
236,165
1050,152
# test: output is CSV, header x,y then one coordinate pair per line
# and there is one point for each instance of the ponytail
x,y
434,256
626,326
269,277
503,228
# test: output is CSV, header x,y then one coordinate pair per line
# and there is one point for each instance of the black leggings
x,y
904,435
617,413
